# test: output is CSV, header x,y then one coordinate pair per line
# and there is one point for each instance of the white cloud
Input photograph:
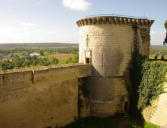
x,y
157,37
21,32
81,5
38,3
28,24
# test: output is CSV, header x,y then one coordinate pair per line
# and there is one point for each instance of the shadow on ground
x,y
116,122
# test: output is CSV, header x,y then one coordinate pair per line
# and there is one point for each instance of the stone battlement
x,y
114,20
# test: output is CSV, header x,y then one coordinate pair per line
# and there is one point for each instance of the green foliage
x,y
42,51
150,125
151,83
147,79
158,51
28,62
34,61
18,62
165,24
74,59
135,78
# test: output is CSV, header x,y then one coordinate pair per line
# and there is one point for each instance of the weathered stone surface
x,y
157,112
111,41
111,47
160,115
107,95
40,98
83,98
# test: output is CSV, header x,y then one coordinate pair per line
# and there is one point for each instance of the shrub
x,y
151,83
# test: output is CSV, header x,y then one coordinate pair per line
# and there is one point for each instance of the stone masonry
x,y
107,43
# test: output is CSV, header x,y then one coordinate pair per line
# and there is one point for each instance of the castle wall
x,y
143,39
40,98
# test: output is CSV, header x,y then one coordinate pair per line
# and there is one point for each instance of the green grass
x,y
94,122
149,125
141,124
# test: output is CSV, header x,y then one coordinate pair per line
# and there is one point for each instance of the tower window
x,y
87,60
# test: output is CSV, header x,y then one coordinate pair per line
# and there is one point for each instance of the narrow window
x,y
87,60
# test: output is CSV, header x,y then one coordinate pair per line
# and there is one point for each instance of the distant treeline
x,y
158,46
34,61
158,50
18,55
37,45
27,51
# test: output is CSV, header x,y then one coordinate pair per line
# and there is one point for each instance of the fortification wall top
x,y
92,20
79,74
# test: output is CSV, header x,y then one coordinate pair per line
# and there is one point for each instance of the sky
x,y
33,21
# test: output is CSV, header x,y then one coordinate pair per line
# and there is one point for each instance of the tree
x,y
41,52
165,25
54,60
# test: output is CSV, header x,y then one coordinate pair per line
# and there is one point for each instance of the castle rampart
x,y
48,97
40,98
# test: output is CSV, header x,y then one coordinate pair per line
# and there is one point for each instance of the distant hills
x,y
37,45
51,45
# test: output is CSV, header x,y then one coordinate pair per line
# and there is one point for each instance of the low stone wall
x,y
40,98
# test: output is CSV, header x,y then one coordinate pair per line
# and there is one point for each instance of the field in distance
x,y
158,51
13,56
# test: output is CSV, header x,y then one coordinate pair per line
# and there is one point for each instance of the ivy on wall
x,y
151,84
147,79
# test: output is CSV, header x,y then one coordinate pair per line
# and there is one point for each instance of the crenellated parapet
x,y
114,20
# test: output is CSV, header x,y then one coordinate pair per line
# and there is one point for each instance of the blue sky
x,y
55,20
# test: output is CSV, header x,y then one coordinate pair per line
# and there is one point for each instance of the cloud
x,y
28,24
157,37
81,5
20,32
38,3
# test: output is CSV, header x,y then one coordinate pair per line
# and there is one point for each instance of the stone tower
x,y
107,43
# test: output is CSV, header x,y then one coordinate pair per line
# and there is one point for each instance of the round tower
x,y
107,43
